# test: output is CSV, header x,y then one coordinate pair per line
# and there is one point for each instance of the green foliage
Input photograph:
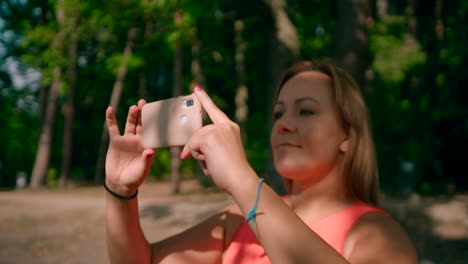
x,y
38,37
415,98
415,94
52,177
114,62
16,137
395,50
160,168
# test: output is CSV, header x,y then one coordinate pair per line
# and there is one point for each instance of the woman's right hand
x,y
127,162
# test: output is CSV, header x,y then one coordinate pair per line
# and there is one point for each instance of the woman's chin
x,y
290,167
290,173
306,174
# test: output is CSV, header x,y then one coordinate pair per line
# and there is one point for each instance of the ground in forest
x,y
67,226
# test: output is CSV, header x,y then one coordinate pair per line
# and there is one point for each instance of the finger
x,y
147,157
111,123
215,114
148,154
144,165
201,160
185,153
132,119
204,167
188,151
139,127
192,148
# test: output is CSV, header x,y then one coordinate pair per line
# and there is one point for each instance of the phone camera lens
x,y
189,102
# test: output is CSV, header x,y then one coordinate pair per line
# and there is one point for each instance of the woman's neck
x,y
313,201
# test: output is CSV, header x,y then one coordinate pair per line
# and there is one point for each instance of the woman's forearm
x,y
126,242
283,235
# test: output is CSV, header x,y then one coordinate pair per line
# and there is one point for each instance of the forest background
x,y
63,62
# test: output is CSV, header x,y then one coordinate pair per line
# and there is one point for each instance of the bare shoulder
x,y
377,238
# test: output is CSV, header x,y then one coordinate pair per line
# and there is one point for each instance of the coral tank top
x,y
245,248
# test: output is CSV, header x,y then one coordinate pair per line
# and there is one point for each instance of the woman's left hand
x,y
218,148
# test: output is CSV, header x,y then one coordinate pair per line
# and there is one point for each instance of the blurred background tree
x,y
64,61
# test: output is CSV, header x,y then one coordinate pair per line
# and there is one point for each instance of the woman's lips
x,y
288,145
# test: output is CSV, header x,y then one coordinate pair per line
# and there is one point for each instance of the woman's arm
x,y
375,238
125,240
202,243
127,165
283,235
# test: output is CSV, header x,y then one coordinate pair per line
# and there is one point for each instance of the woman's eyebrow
x,y
306,99
299,100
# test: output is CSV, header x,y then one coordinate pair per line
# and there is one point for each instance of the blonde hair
x,y
360,163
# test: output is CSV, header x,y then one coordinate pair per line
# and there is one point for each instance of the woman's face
x,y
307,137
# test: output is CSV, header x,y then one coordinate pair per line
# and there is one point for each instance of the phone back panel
x,y
170,122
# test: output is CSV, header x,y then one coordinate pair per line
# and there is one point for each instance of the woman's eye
x,y
306,112
277,115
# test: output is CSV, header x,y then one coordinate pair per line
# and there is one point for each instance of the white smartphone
x,y
170,122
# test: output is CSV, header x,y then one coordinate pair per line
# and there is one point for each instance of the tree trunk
x,y
285,31
114,102
284,46
241,91
196,68
43,95
410,17
69,108
143,76
175,151
382,8
142,84
198,79
41,163
351,37
439,25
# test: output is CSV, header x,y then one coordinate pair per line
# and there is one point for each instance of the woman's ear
x,y
346,135
344,145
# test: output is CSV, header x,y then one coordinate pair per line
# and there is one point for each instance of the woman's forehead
x,y
310,83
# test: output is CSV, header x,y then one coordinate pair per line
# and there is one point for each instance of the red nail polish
x,y
149,156
198,88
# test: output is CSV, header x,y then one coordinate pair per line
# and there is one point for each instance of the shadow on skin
x,y
156,212
199,243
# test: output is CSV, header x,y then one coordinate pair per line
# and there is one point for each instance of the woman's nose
x,y
285,127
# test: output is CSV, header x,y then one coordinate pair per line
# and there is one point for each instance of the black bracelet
x,y
118,195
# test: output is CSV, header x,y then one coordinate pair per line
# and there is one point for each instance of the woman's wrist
x,y
122,193
121,197
245,191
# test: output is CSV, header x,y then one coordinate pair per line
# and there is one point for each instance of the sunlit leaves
x,y
115,61
395,50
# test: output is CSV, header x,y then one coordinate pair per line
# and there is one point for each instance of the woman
x,y
323,149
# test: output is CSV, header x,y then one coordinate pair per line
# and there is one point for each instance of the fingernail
x,y
149,155
198,88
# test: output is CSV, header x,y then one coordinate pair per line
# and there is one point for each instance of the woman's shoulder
x,y
376,236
